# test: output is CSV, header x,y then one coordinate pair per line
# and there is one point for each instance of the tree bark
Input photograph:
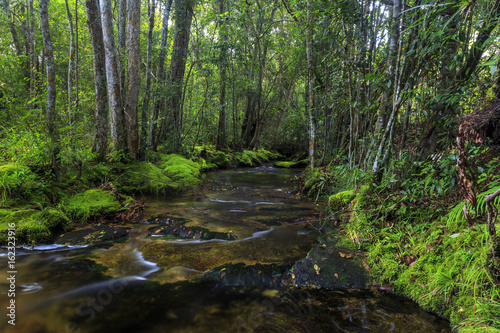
x,y
113,79
311,81
100,142
160,78
134,75
71,74
51,88
172,127
223,35
122,44
147,95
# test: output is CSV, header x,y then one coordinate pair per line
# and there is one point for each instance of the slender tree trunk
x,y
147,95
311,81
134,75
221,133
71,73
51,88
172,127
33,59
160,78
100,142
113,79
122,44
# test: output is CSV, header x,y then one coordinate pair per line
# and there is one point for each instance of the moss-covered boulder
x,y
33,226
340,200
145,177
90,204
182,171
290,164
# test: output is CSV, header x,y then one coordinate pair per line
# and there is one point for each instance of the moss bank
x,y
427,255
33,226
91,204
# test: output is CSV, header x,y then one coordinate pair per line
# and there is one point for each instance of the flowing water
x,y
215,262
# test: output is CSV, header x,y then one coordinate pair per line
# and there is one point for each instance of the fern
x,y
455,216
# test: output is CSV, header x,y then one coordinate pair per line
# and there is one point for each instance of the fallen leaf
x,y
157,231
336,275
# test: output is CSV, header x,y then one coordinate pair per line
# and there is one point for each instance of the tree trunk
x,y
122,44
51,88
160,78
113,79
221,133
147,95
172,127
100,142
311,81
33,59
134,75
71,63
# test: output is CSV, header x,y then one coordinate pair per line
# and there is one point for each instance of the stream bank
x,y
269,275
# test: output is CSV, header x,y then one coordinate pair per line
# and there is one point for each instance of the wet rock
x,y
327,266
247,276
180,231
93,235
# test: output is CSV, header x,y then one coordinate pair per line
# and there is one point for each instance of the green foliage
x,y
182,171
33,226
455,218
90,204
144,177
340,200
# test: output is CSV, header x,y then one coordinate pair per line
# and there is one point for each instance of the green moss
x,y
33,226
184,172
144,177
340,200
312,181
91,203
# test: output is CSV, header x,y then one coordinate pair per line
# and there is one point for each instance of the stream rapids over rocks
x,y
246,256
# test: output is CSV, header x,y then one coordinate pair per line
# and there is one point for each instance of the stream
x,y
232,259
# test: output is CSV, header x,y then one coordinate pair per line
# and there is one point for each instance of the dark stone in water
x,y
93,235
247,276
180,231
167,220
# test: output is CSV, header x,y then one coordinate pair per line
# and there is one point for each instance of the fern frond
x,y
455,217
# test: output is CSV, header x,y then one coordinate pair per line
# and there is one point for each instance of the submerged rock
x,y
180,231
93,235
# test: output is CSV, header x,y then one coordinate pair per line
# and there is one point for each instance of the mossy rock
x,y
182,171
145,177
340,200
33,226
311,183
90,204
290,164
243,159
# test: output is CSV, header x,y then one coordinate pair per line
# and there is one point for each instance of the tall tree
x,y
134,75
147,94
122,43
311,84
71,70
113,79
100,142
160,78
223,36
51,87
172,122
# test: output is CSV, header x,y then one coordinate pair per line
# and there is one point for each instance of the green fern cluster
x,y
455,219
